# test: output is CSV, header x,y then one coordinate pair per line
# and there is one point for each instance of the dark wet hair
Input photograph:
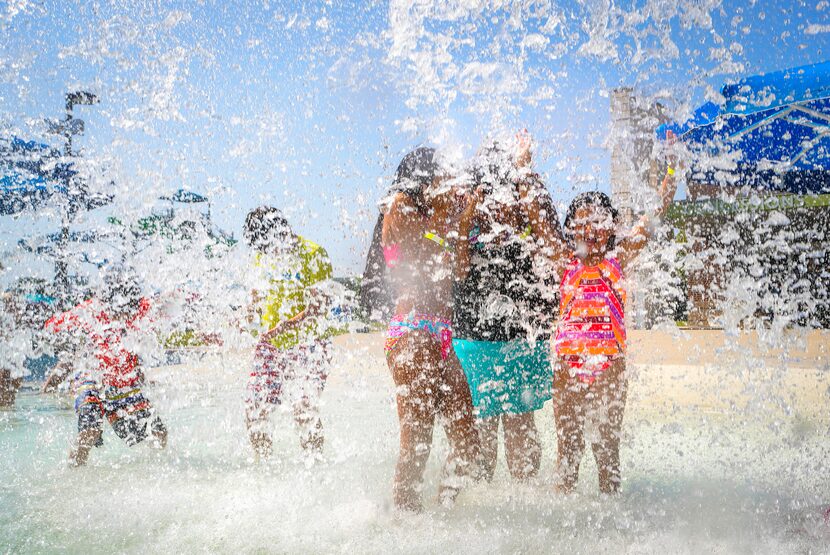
x,y
595,199
260,222
121,288
492,166
415,173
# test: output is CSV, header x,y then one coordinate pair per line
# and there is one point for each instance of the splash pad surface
x,y
725,474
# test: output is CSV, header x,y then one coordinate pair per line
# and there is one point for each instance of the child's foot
x,y
158,443
410,506
561,488
407,501
76,460
311,458
447,496
262,445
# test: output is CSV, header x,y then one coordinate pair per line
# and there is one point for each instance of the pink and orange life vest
x,y
591,330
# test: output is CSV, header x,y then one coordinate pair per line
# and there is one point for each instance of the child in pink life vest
x,y
589,383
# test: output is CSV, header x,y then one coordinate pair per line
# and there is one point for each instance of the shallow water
x,y
694,481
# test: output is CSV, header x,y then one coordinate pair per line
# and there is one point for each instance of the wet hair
x,y
121,288
594,199
260,222
492,166
415,173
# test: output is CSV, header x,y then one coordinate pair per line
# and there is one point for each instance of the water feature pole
x,y
67,128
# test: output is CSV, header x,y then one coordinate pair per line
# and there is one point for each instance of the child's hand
x,y
49,385
671,150
273,332
55,377
523,146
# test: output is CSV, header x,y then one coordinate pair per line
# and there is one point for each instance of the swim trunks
x,y
127,410
506,377
298,373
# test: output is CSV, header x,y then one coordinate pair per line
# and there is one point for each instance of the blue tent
x,y
772,131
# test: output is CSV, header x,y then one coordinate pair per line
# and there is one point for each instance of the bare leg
x,y
260,440
521,445
308,421
306,407
84,443
8,388
611,389
414,364
159,432
570,421
258,405
488,434
455,404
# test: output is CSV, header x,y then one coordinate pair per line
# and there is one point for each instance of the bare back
x,y
422,274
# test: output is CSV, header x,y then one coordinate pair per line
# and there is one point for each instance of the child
x,y
589,375
108,385
17,343
418,348
503,306
292,355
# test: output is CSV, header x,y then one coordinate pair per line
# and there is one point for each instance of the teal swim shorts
x,y
506,377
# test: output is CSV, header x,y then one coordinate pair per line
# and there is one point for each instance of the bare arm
x,y
643,230
56,376
523,143
286,325
253,310
401,228
466,223
395,222
541,214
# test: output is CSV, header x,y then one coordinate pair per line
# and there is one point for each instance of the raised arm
x,y
56,376
643,230
541,214
466,222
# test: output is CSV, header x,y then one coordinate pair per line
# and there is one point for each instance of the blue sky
x,y
309,106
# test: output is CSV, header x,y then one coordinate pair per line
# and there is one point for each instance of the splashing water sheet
x,y
210,213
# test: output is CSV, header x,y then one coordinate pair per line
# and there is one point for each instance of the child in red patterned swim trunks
x,y
109,385
292,356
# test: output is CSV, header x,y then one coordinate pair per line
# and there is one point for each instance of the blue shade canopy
x,y
50,245
185,196
32,172
772,129
26,173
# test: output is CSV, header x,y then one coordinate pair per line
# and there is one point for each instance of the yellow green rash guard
x,y
288,279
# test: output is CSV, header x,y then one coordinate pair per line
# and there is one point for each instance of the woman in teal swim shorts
x,y
503,305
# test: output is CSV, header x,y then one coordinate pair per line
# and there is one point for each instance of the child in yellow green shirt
x,y
292,355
